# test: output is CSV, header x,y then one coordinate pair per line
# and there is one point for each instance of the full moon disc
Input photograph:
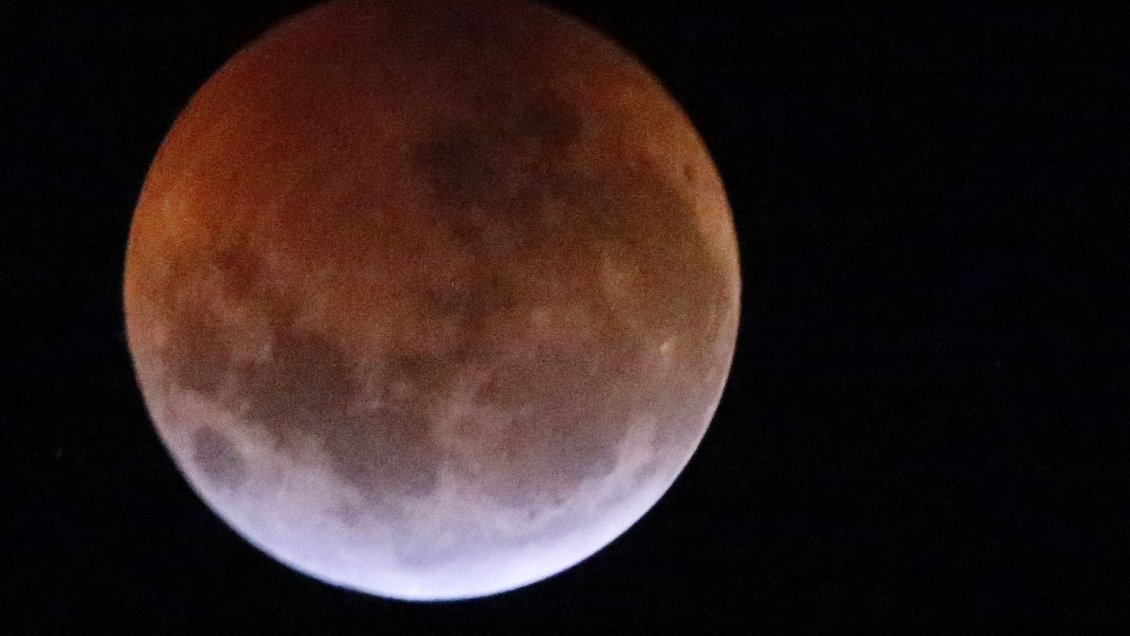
x,y
431,299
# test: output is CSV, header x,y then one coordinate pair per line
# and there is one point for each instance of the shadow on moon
x,y
476,312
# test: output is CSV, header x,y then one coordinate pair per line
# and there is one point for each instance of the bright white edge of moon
x,y
282,509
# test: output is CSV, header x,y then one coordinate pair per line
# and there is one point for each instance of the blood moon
x,y
431,299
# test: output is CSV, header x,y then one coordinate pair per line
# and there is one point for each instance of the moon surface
x,y
431,300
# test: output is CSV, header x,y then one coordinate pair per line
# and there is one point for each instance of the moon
x,y
431,300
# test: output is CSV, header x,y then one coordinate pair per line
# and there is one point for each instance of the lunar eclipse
x,y
431,300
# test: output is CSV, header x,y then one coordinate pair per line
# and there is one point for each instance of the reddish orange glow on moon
x,y
431,299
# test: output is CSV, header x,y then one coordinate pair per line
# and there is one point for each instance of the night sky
x,y
925,426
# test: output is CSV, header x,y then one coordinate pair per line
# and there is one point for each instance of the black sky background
x,y
925,426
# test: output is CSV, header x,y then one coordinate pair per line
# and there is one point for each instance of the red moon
x,y
431,300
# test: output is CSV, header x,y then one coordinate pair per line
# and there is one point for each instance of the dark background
x,y
926,422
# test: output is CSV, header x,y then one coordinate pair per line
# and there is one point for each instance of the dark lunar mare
x,y
218,458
